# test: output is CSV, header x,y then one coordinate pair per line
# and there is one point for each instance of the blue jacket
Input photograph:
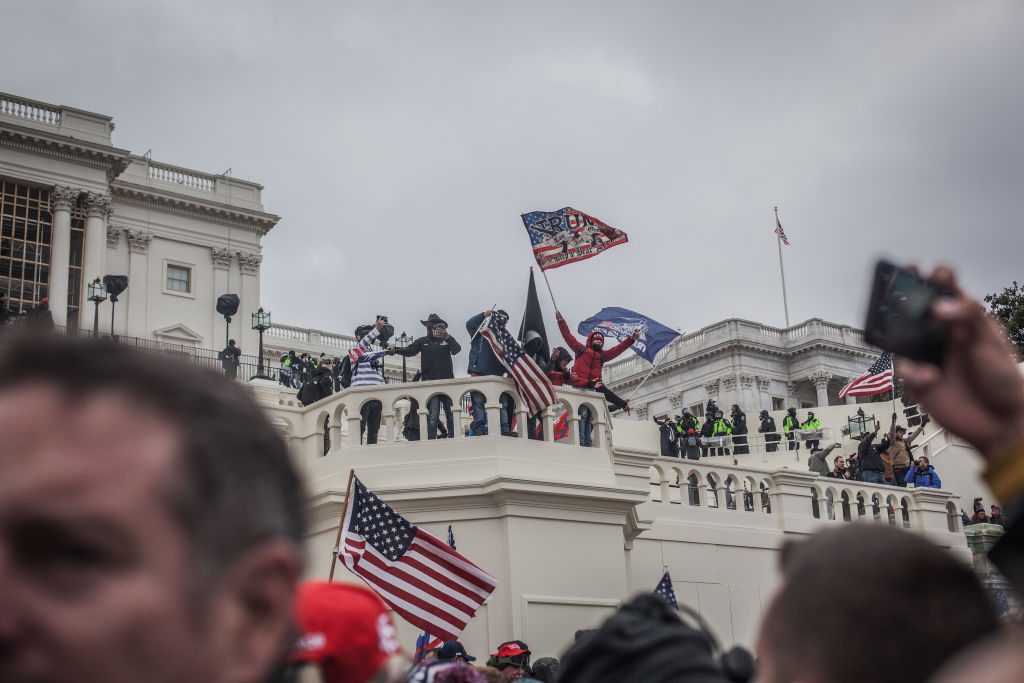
x,y
924,480
482,360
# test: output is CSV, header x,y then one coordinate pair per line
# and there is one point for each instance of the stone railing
x,y
311,337
334,422
182,176
805,498
30,110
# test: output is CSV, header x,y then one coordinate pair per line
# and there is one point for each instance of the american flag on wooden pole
x,y
426,582
533,384
878,379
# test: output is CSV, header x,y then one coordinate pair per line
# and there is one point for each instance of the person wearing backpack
x,y
365,368
691,445
923,476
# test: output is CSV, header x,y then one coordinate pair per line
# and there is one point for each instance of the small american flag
x,y
534,386
876,380
779,231
666,590
427,583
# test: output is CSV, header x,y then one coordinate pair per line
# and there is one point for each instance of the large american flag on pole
x,y
876,380
427,583
533,384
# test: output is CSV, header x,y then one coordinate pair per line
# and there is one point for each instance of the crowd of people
x,y
152,525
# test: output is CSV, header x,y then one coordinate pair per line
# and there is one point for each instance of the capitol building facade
x,y
569,531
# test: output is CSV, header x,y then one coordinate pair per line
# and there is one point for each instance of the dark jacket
x,y
558,377
482,360
229,356
587,368
436,356
668,436
739,423
768,427
688,422
867,453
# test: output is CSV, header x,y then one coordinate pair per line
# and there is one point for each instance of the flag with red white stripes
x,y
876,380
779,231
427,583
532,382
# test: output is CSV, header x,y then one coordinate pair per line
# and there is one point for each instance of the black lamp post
x,y
261,323
402,342
97,295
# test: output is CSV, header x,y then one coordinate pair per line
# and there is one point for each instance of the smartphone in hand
x,y
899,317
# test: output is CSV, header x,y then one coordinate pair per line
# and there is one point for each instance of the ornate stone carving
x,y
221,257
711,387
63,198
138,240
113,236
97,205
250,263
791,389
676,399
641,410
728,382
820,378
746,381
763,383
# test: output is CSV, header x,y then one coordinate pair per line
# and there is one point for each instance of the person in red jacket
x,y
558,367
586,371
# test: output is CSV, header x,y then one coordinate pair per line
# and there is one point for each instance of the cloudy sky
x,y
400,141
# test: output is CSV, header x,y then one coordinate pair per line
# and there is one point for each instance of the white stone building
x,y
75,207
738,361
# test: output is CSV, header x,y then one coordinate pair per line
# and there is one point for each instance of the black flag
x,y
532,334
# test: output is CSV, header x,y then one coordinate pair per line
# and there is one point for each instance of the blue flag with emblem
x,y
620,324
666,590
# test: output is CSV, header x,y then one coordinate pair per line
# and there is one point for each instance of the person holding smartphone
x,y
436,350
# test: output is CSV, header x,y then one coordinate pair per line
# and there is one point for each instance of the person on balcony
x,y
586,371
817,462
229,359
707,430
669,445
899,449
768,428
811,424
367,370
789,425
840,469
722,428
872,469
739,431
483,363
288,361
924,475
436,350
688,422
690,444
558,367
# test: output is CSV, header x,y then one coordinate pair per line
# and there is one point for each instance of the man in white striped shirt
x,y
368,370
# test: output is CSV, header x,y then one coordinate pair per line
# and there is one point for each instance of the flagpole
x,y
649,373
550,293
341,523
782,271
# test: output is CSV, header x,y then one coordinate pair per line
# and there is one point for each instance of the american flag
x,y
533,384
666,590
779,231
876,380
427,583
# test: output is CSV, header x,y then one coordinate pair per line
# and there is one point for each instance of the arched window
x,y
693,488
327,434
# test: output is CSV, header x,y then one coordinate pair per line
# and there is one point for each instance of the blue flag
x,y
621,322
665,589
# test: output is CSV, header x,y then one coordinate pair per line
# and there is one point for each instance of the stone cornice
x,y
221,257
248,262
111,159
258,222
138,240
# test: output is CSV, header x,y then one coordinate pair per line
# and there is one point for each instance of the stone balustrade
x,y
182,176
30,110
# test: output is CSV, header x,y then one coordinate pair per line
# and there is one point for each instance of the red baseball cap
x,y
346,630
511,649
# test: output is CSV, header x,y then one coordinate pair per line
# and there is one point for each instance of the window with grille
x,y
179,278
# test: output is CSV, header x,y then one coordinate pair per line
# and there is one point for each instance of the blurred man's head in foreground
x,y
150,519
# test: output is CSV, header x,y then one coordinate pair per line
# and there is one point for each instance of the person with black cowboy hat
x,y
436,350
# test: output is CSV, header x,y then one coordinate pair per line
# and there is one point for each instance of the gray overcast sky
x,y
400,141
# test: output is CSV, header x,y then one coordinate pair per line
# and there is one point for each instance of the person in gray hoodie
x,y
816,461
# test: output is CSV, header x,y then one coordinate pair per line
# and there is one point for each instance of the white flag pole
x,y
647,377
782,271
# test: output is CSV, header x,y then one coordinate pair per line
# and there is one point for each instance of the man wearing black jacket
x,y
872,469
435,350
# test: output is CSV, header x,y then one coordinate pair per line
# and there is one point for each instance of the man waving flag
x,y
533,384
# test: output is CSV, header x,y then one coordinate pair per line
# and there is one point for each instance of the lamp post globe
x,y
261,323
97,294
401,342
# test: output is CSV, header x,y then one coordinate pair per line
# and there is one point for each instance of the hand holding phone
x,y
900,318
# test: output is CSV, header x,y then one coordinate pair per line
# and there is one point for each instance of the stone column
x,y
222,258
250,296
138,282
97,209
62,201
764,384
820,379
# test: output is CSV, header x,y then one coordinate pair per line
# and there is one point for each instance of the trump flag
x,y
567,235
621,322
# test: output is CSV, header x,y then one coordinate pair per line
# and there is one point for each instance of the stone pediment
x,y
179,333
